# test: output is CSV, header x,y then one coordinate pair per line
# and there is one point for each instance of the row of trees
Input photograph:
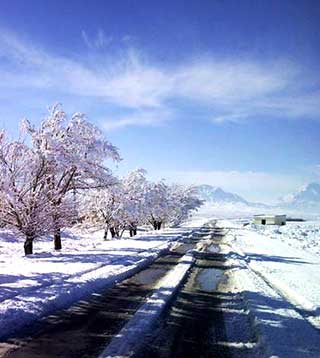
x,y
55,175
135,201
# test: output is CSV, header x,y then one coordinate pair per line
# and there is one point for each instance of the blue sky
x,y
219,92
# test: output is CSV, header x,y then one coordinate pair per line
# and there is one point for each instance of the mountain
x,y
303,202
307,197
215,194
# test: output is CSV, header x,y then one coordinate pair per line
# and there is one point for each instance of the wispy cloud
x,y
228,90
98,41
152,117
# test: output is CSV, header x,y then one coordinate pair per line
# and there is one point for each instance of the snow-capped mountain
x,y
303,202
215,194
307,197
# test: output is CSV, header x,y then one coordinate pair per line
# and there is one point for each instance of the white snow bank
x,y
300,235
281,330
126,342
37,285
292,272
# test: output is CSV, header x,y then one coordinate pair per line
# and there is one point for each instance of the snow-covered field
x,y
300,235
281,265
36,285
287,258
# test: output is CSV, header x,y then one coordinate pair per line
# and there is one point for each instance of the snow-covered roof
x,y
270,216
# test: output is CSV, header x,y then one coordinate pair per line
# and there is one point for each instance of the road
x,y
221,309
205,319
87,327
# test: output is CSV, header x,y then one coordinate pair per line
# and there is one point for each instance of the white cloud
x,y
230,117
152,117
226,90
99,41
230,81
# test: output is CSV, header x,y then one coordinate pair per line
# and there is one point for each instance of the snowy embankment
x,y
144,319
287,260
37,285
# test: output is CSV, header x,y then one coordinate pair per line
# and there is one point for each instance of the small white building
x,y
270,219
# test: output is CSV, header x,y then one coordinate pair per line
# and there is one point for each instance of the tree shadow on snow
x,y
269,258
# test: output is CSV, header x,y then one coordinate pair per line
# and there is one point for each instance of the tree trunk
x,y
159,225
117,232
57,239
112,231
28,245
131,232
134,231
155,225
105,236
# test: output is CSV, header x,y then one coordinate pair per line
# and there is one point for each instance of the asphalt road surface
x,y
205,319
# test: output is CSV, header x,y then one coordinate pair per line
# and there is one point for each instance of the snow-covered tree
x,y
157,204
104,209
24,191
134,201
118,207
184,201
134,186
74,150
39,181
170,204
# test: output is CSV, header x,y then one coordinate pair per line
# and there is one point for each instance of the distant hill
x,y
304,202
217,195
308,197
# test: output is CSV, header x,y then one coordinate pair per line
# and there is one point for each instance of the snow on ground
x,y
286,259
240,210
281,330
291,271
226,210
300,235
39,284
277,272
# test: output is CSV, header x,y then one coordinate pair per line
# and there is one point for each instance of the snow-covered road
x,y
34,286
270,274
96,319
